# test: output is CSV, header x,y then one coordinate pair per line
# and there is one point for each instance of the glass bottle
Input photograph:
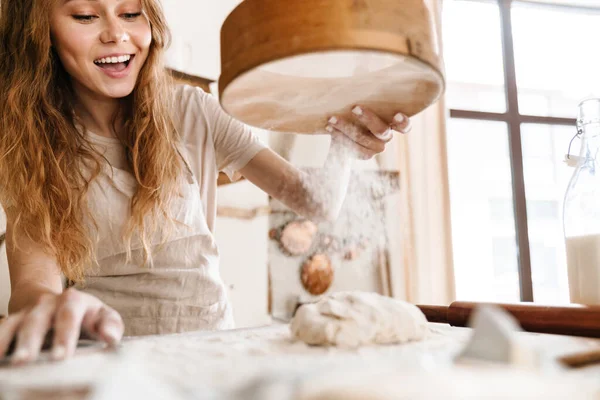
x,y
581,213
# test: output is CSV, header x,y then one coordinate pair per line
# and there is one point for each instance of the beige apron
x,y
182,290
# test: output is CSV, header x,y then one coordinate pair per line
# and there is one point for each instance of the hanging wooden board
x,y
288,65
192,80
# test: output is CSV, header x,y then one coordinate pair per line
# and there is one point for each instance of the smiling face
x,y
102,44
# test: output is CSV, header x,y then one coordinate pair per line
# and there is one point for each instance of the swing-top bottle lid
x,y
589,112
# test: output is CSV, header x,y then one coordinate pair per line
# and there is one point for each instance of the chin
x,y
118,91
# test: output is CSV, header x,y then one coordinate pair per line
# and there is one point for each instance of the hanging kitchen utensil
x,y
317,274
289,65
297,237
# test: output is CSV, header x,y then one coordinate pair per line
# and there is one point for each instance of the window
x,y
506,274
482,207
513,92
551,84
479,83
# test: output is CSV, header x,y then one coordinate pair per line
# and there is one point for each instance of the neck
x,y
98,114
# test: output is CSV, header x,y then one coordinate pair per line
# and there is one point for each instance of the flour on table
x,y
448,384
353,319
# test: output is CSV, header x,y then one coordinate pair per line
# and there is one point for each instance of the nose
x,y
113,32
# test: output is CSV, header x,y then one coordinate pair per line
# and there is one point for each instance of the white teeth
x,y
113,60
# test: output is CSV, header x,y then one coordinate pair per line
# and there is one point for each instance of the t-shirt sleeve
x,y
235,143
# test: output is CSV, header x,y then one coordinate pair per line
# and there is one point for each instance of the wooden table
x,y
203,364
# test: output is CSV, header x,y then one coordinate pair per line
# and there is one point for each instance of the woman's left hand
x,y
368,134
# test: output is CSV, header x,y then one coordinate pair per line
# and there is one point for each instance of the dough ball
x,y
353,319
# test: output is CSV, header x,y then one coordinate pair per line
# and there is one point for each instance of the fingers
x,y
90,322
370,134
66,315
109,326
378,127
358,134
104,324
340,140
69,316
8,329
32,331
401,123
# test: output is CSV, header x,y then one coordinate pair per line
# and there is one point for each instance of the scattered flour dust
x,y
213,365
353,319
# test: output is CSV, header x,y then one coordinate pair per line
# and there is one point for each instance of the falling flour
x,y
353,319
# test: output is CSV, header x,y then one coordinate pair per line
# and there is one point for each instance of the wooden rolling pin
x,y
573,320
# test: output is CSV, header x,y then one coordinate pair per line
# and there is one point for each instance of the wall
x,y
195,26
243,248
360,274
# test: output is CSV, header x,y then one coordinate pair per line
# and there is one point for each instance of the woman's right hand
x,y
68,314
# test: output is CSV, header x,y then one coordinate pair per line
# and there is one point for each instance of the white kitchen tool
x,y
495,339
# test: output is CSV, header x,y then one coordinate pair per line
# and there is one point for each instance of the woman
x,y
108,176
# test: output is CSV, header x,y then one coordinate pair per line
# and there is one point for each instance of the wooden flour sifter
x,y
289,65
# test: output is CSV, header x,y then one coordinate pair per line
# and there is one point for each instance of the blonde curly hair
x,y
44,157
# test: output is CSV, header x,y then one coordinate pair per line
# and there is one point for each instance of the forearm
x,y
319,194
27,294
316,195
33,273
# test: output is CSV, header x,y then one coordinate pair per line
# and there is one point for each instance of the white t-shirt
x,y
182,290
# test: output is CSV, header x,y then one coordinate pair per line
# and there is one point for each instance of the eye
x,y
84,18
131,16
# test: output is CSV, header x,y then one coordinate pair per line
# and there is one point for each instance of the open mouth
x,y
116,64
